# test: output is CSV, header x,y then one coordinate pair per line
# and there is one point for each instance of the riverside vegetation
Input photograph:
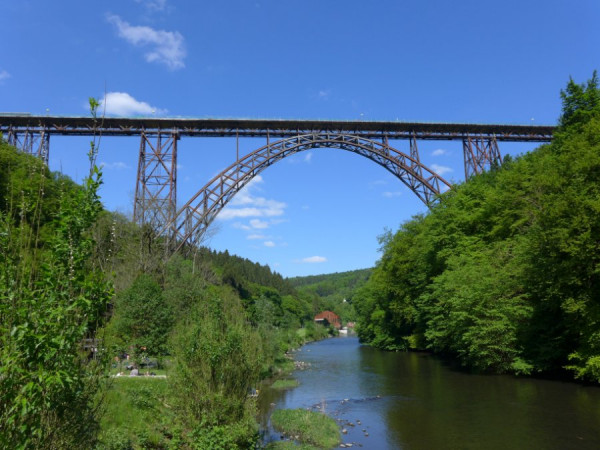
x,y
76,277
310,427
503,273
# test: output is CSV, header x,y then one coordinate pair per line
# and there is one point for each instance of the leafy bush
x,y
50,300
218,359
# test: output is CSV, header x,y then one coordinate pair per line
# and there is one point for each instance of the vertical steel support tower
x,y
480,154
415,162
35,142
156,188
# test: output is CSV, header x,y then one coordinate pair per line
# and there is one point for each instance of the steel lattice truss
x,y
155,192
33,141
156,185
275,128
480,154
192,220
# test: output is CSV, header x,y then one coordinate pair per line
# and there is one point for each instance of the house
x,y
329,318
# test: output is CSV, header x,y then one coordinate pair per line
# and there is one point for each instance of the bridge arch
x,y
192,219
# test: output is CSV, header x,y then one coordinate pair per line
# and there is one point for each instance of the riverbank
x,y
390,400
139,410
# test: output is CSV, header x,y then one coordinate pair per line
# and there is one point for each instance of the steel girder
x,y
192,220
276,128
156,188
480,154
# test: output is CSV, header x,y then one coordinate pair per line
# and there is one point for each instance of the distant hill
x,y
334,286
234,268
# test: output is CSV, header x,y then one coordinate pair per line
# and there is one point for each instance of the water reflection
x,y
413,401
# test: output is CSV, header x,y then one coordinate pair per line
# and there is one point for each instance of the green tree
x,y
142,316
50,300
503,274
218,359
580,102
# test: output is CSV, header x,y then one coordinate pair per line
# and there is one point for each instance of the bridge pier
x,y
35,142
156,186
480,154
415,162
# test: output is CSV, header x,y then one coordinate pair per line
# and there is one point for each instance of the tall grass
x,y
311,427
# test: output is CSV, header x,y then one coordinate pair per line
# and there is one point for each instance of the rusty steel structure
x,y
155,201
192,220
480,154
35,141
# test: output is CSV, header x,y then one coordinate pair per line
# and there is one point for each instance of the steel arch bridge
x,y
192,220
156,184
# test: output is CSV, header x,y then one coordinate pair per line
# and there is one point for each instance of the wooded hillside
x,y
503,273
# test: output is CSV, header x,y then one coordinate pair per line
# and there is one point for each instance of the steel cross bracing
x,y
480,154
35,141
192,220
155,199
156,188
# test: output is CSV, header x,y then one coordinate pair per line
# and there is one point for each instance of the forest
x,y
502,274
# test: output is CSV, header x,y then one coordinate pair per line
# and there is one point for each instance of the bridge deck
x,y
127,126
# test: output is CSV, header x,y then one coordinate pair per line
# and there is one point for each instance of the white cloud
x,y
119,165
166,47
229,213
439,152
440,170
256,236
241,226
154,5
389,194
4,75
299,159
314,259
269,244
259,224
245,204
254,182
123,104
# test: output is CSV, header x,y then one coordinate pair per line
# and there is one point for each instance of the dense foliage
x,y
51,299
219,359
503,274
219,323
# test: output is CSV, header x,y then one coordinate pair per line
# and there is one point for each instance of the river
x,y
414,401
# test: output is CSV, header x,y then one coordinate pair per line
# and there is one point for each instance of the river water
x,y
413,401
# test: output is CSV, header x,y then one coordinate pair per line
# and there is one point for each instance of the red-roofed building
x,y
329,318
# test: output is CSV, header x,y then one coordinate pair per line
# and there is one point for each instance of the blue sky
x,y
321,211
